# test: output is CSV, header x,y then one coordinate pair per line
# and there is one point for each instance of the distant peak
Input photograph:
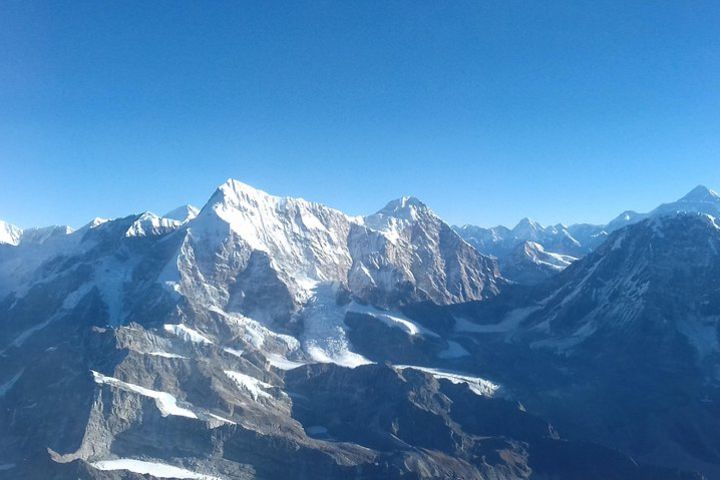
x,y
527,223
627,215
96,222
404,202
182,213
701,194
406,208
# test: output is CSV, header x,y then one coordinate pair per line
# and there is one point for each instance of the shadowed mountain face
x,y
626,340
267,337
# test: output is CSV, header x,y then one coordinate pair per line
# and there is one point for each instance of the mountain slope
x,y
265,338
630,333
154,339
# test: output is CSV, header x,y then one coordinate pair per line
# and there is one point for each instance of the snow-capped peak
x,y
699,200
527,225
306,242
406,208
237,193
700,194
9,234
96,222
183,213
150,224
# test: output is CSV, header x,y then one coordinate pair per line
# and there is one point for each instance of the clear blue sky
x,y
487,110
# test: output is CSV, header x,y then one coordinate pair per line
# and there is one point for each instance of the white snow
x,y
166,355
9,234
5,387
156,469
96,222
337,352
393,319
183,214
304,240
166,403
324,337
255,333
538,255
232,351
110,278
149,224
278,361
222,419
479,386
186,333
250,384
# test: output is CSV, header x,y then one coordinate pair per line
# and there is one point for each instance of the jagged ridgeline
x,y
268,337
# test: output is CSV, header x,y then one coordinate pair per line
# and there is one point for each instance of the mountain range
x,y
272,337
530,252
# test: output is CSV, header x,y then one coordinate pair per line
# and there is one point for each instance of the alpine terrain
x,y
275,338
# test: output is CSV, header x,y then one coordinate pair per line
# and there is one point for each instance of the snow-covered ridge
x,y
537,254
9,234
479,386
150,224
307,243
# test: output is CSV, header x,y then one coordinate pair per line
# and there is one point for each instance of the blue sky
x,y
488,111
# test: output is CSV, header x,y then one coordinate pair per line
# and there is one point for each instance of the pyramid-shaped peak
x,y
526,224
237,188
701,194
406,208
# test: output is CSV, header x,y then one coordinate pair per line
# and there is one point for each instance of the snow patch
x,y
166,355
393,319
187,334
479,386
166,403
156,469
232,351
278,361
9,234
250,384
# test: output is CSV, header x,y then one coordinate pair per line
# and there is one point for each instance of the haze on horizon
x,y
487,112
